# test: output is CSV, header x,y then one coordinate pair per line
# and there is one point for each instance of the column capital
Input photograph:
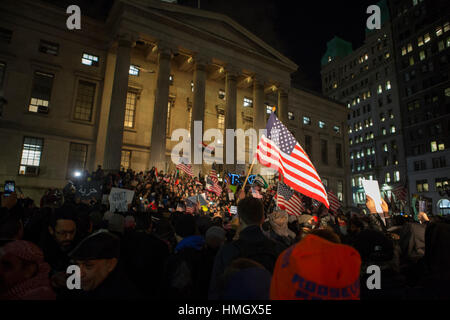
x,y
258,80
283,91
164,49
201,60
126,39
232,71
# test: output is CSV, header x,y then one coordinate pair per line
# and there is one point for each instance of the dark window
x,y
5,35
85,100
439,162
49,47
324,151
339,155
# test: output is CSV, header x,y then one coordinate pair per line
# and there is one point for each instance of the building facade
x,y
113,93
365,80
421,31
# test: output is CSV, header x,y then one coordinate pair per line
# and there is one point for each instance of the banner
x,y
119,199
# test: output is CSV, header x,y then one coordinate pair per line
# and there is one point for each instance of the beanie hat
x,y
316,268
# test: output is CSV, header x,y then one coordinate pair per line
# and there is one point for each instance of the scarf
x,y
279,222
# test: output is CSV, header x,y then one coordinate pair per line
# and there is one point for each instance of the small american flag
x,y
280,150
187,168
335,204
288,200
212,183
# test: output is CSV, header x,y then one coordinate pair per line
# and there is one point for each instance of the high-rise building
x,y
421,31
365,80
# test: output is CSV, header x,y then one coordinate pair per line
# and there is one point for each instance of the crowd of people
x,y
168,247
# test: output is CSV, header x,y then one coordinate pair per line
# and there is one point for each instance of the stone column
x,y
282,105
198,112
114,133
158,140
259,111
230,117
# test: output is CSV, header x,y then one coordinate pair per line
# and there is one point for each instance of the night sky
x,y
298,29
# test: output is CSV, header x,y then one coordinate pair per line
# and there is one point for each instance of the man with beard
x,y
58,240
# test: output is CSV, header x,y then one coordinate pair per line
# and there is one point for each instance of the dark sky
x,y
298,29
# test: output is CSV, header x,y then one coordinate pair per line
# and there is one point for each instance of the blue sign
x,y
236,178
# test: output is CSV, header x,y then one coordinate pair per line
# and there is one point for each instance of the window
x,y
380,89
392,129
221,94
221,121
426,38
291,116
134,70
410,48
339,155
388,85
441,146
171,79
383,131
85,100
422,55
49,47
433,146
385,147
441,182
321,124
340,190
324,150
337,129
31,156
41,92
192,86
422,185
308,146
268,109
5,35
388,177
307,120
446,27
403,51
125,160
441,46
439,162
396,176
447,92
89,60
248,102
130,109
77,158
382,117
420,165
411,61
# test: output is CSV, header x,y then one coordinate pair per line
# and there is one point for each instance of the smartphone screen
x,y
10,187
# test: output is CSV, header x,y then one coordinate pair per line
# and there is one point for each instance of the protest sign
x,y
119,199
89,189
372,190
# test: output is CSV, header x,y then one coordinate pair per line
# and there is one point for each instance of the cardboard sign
x,y
119,199
233,210
372,189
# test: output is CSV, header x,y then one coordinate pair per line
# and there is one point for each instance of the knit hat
x,y
316,268
215,233
99,245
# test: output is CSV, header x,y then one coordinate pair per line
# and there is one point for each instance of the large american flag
x,y
279,150
212,183
187,168
288,200
335,204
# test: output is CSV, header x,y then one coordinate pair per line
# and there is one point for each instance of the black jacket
x,y
252,244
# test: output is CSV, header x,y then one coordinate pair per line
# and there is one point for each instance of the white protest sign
x,y
233,210
372,190
231,196
119,199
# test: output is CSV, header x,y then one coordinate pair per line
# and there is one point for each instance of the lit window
x,y
388,85
380,88
192,86
433,146
335,85
125,159
410,48
171,79
403,51
438,31
31,155
130,109
134,70
321,124
383,131
441,45
307,120
446,27
385,147
89,60
387,55
422,55
268,109
411,61
358,100
392,129
420,41
388,177
368,94
427,38
396,176
77,157
441,146
447,92
221,121
248,102
366,56
41,92
291,116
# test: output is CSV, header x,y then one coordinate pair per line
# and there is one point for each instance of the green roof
x,y
336,47
384,13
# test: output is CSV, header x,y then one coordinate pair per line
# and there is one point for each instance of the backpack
x,y
265,252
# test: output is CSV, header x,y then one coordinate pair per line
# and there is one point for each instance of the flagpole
x,y
248,174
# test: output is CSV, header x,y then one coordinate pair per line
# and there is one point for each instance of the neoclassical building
x,y
113,92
